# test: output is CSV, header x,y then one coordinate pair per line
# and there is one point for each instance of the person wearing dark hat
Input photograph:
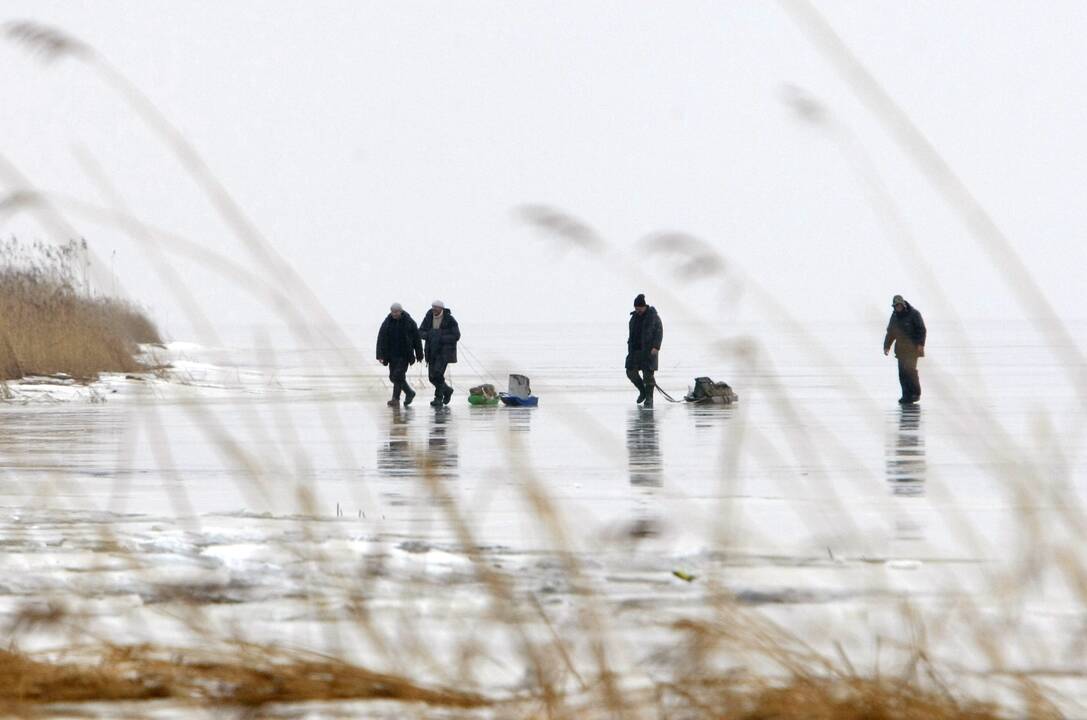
x,y
906,330
399,345
643,348
441,333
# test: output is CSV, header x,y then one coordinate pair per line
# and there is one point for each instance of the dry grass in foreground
x,y
813,698
254,676
257,676
48,326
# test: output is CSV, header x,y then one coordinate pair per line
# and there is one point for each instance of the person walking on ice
x,y
643,349
906,330
440,332
398,345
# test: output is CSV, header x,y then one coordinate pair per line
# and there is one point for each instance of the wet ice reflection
x,y
709,416
644,464
61,437
643,448
395,456
906,454
520,418
441,445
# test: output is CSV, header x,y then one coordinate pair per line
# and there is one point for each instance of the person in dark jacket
x,y
643,346
906,330
398,345
441,332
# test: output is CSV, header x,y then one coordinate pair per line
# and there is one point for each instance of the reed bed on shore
x,y
51,324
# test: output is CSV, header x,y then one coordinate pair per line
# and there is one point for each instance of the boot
x,y
409,395
446,394
635,379
395,402
648,404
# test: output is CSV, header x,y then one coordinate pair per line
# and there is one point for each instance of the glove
x,y
411,360
383,361
419,357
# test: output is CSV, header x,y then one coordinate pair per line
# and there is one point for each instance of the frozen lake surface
x,y
269,491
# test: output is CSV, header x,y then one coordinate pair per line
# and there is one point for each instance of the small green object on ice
x,y
483,395
684,575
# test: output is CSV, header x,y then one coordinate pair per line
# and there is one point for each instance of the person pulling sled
x,y
643,349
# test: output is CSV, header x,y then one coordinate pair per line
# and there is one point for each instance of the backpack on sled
x,y
705,390
483,395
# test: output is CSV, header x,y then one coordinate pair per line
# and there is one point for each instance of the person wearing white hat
x,y
399,345
441,332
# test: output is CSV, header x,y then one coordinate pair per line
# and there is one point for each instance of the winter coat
x,y
440,343
399,339
645,332
907,331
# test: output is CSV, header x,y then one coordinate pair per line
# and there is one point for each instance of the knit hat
x,y
896,300
640,300
438,304
396,307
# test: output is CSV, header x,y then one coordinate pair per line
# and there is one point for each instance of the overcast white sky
x,y
382,147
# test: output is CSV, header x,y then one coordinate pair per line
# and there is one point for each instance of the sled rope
x,y
667,397
477,366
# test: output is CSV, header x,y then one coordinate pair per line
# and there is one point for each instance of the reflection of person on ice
x,y
643,346
398,346
441,333
906,330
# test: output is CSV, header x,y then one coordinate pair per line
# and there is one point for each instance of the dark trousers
x,y
908,378
398,375
643,382
436,375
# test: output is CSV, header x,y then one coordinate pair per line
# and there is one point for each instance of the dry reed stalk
x,y
23,680
252,677
812,698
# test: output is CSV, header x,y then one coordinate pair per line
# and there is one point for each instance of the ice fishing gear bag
x,y
519,386
705,390
486,390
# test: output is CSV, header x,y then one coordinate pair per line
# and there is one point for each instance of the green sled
x,y
482,400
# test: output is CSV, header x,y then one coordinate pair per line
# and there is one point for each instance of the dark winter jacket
x,y
440,343
645,333
399,339
906,330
